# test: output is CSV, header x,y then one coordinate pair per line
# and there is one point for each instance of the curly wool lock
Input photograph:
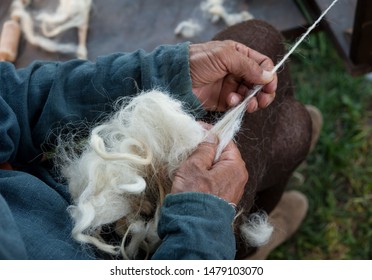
x,y
126,169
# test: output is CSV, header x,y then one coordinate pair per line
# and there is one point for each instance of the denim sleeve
x,y
196,226
36,100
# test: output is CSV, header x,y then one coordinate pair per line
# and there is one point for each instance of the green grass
x,y
338,173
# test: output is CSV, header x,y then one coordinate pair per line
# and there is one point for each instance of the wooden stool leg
x,y
9,40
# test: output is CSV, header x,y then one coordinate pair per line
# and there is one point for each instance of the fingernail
x,y
252,107
255,107
234,100
211,138
268,102
267,76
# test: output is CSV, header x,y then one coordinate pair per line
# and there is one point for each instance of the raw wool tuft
x,y
119,177
214,11
257,230
188,28
69,14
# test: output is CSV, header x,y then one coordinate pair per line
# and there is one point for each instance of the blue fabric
x,y
35,223
34,101
196,226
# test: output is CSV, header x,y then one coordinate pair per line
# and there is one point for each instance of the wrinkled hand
x,y
223,71
225,178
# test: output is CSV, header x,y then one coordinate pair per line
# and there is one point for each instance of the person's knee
x,y
292,136
256,34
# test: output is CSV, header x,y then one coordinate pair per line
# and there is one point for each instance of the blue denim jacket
x,y
36,100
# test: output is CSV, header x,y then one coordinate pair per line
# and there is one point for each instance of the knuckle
x,y
243,172
230,42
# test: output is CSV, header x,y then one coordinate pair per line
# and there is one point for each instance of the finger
x,y
262,60
231,167
262,100
248,70
272,86
265,99
266,63
233,99
235,58
252,73
230,152
203,156
268,93
252,105
228,91
206,126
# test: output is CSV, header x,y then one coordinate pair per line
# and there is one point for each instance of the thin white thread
x,y
228,126
303,37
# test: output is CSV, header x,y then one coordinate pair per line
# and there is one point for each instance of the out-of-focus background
x,y
331,70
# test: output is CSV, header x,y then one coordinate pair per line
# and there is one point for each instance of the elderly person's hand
x,y
223,71
225,178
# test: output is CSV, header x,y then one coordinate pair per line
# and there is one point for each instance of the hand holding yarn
x,y
223,71
225,178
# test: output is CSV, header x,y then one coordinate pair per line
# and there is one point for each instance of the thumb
x,y
251,72
206,151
